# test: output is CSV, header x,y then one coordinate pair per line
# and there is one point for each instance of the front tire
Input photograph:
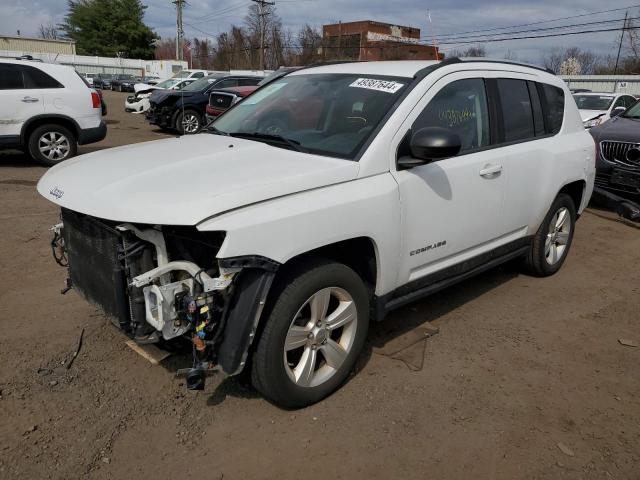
x,y
188,122
552,242
51,144
312,336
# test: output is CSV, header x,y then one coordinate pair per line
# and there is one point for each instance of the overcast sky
x,y
448,17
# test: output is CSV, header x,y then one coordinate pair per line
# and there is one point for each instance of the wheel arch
x,y
38,120
575,190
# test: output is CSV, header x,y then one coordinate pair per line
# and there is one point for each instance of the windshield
x,y
201,84
593,102
327,114
167,83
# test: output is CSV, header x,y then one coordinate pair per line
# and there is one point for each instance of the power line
x,y
480,38
540,22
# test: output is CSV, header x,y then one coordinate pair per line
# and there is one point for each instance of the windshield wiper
x,y
292,144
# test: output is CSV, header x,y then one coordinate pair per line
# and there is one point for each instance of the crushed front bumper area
x,y
166,282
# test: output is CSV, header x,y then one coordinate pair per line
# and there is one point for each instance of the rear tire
x,y
51,144
313,334
552,241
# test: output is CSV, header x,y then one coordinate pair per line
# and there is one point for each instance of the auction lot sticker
x,y
379,85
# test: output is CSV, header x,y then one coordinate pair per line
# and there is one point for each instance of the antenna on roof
x,y
433,38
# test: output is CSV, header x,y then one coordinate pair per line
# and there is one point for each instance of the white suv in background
x,y
327,198
47,110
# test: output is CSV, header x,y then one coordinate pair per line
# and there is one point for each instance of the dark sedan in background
x,y
184,110
123,83
102,81
618,152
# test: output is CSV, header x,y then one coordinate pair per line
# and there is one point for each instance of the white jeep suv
x,y
47,109
329,197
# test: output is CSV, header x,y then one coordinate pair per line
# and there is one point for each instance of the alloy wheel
x,y
320,337
557,238
190,123
54,146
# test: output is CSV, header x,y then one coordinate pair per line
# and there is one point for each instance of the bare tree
x,y
49,31
474,51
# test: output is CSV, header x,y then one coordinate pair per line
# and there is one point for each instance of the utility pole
x,y
624,27
179,30
261,14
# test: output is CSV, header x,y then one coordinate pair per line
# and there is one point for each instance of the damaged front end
x,y
165,282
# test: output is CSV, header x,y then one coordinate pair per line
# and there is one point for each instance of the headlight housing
x,y
594,122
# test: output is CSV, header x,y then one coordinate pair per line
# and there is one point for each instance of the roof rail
x,y
508,62
29,58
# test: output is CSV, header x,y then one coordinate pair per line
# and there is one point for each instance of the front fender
x,y
283,228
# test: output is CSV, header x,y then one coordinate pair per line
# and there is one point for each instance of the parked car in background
x,y
184,110
618,152
47,109
597,108
192,74
221,100
580,90
102,81
272,252
149,80
139,102
123,83
89,77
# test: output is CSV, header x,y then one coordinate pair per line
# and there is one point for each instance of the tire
x,y
51,134
552,241
280,374
194,119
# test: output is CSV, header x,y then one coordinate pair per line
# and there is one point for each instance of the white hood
x,y
182,181
589,114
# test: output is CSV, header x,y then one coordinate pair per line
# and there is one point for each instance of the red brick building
x,y
368,41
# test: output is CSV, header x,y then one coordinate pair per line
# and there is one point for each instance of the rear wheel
x,y
552,241
51,144
312,336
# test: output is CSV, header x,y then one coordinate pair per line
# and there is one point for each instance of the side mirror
x,y
617,111
431,143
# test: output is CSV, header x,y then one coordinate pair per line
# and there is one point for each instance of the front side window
x,y
326,114
460,107
516,110
201,84
10,77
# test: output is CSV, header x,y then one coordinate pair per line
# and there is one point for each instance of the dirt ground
x,y
525,379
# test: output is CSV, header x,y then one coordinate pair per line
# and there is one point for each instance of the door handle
x,y
490,171
29,100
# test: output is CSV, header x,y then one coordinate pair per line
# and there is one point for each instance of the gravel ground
x,y
526,378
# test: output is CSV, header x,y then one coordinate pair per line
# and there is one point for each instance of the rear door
x,y
18,100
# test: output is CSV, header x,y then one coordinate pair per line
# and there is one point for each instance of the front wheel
x,y
551,243
312,336
188,123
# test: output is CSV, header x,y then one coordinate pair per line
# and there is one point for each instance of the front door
x,y
451,209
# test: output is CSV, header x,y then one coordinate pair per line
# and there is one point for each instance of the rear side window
x,y
232,82
10,77
552,106
36,78
516,109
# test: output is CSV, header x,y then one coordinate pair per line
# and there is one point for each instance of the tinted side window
x,y
516,109
10,77
197,75
552,107
461,107
536,106
248,82
36,78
